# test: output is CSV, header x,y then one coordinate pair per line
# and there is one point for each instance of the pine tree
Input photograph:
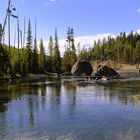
x,y
68,60
56,56
72,39
68,37
0,33
29,47
70,56
42,57
50,53
50,46
29,38
35,58
35,53
78,49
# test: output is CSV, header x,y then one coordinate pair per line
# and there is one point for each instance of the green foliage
x,y
84,54
35,58
70,38
4,60
56,56
50,46
68,60
124,49
49,61
29,47
42,57
70,56
137,53
49,64
56,61
19,61
29,38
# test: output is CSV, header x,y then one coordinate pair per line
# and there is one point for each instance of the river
x,y
70,109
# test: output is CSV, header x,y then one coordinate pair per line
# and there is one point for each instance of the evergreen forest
x,y
32,58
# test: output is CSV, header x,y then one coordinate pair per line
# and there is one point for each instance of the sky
x,y
89,18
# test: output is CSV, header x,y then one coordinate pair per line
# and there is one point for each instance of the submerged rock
x,y
82,67
105,71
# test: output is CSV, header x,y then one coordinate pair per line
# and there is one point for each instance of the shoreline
x,y
115,65
123,69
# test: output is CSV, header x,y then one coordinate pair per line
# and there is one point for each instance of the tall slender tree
x,y
56,56
29,37
29,47
0,33
35,58
50,46
35,52
70,56
68,40
42,57
72,39
68,60
50,55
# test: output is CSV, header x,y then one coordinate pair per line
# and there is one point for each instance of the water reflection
x,y
68,104
7,94
31,111
54,98
72,89
124,92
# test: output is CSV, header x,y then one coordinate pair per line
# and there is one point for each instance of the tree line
x,y
33,58
122,49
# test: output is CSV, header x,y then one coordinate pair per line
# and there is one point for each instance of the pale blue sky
x,y
87,17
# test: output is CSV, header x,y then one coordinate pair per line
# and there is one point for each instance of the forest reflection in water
x,y
124,92
48,103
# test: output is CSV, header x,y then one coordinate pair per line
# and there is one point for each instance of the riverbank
x,y
120,67
116,65
18,78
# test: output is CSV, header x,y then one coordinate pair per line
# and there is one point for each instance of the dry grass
x,y
115,65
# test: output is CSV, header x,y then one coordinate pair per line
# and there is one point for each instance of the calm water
x,y
70,109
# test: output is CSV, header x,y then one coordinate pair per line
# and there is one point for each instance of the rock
x,y
82,67
105,71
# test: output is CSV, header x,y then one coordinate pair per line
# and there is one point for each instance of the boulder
x,y
82,67
105,71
